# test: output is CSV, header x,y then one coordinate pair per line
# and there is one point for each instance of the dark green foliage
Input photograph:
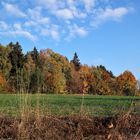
x,y
35,82
35,56
16,58
76,62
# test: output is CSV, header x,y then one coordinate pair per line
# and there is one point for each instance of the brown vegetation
x,y
126,127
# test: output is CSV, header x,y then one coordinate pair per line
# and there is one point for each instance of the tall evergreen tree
x,y
76,62
16,58
35,56
36,74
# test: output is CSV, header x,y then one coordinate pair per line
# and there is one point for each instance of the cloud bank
x,y
57,19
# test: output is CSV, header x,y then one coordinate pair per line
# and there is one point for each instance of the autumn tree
x,y
29,68
2,81
74,84
86,78
65,66
101,82
54,77
5,65
126,83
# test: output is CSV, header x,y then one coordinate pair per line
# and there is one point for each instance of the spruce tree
x,y
16,58
76,62
35,56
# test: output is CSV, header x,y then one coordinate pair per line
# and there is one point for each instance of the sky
x,y
102,32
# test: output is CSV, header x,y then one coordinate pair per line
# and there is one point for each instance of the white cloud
x,y
49,4
77,13
30,23
81,15
36,18
45,32
70,2
51,32
54,34
80,31
21,33
64,13
103,15
77,31
34,13
44,20
18,29
3,25
89,4
13,9
114,13
24,34
73,17
69,12
17,26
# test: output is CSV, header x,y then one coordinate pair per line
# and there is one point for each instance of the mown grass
x,y
63,105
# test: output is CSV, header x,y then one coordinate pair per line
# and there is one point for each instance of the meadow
x,y
65,105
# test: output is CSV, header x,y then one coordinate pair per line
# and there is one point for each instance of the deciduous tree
x,y
127,83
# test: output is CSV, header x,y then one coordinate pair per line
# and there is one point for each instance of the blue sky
x,y
103,32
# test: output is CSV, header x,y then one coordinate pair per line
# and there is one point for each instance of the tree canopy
x,y
46,71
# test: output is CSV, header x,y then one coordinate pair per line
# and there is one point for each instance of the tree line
x,y
46,71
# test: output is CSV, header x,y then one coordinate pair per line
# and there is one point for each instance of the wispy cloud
x,y
116,13
3,25
13,10
76,31
80,31
20,33
89,4
17,26
54,34
103,15
50,4
64,13
71,18
17,30
53,31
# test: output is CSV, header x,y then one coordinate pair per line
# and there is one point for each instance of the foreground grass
x,y
63,105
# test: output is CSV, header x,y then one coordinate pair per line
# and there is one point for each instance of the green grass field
x,y
62,105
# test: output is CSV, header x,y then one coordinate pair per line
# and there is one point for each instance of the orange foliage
x,y
127,77
86,77
2,80
106,76
127,83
